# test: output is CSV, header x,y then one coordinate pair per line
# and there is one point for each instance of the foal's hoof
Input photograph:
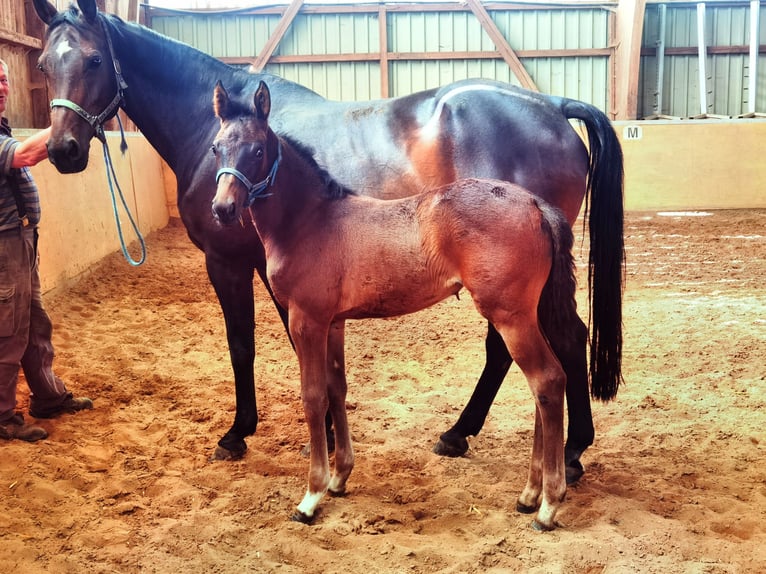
x,y
299,516
306,450
452,446
223,453
540,527
574,471
524,509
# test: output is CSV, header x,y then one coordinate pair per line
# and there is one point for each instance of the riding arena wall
x,y
696,165
78,226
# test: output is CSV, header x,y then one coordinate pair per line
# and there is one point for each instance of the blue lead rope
x,y
109,176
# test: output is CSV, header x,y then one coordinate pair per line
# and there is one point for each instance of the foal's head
x,y
247,152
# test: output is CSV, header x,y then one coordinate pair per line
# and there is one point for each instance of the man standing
x,y
25,328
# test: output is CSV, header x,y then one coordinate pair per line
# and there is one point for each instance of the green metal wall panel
x,y
244,35
727,75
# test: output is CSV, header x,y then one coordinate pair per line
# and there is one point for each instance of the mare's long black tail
x,y
606,261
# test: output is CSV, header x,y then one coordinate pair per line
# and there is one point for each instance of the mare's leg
x,y
310,338
580,432
546,481
453,442
336,390
233,284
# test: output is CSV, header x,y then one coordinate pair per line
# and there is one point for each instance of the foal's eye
x,y
213,150
94,62
259,153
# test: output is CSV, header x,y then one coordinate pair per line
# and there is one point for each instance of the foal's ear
x,y
220,100
45,10
88,9
262,101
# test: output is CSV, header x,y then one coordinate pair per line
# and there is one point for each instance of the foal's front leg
x,y
336,390
310,338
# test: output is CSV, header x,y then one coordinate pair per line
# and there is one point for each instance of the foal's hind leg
x,y
572,355
547,381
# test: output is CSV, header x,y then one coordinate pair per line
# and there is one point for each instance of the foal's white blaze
x,y
63,47
310,502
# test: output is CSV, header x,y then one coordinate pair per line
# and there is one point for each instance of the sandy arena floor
x,y
675,482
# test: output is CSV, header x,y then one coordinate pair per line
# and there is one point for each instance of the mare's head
x,y
78,67
247,152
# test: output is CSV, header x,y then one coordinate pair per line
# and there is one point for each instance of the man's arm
x,y
32,150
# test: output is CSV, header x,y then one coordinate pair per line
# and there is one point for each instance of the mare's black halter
x,y
254,190
97,121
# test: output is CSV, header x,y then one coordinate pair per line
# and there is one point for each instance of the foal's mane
x,y
331,189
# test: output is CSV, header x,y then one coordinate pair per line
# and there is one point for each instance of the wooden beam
x,y
501,44
629,28
21,40
383,36
276,36
711,50
418,56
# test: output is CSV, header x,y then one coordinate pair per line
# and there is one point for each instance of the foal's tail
x,y
557,310
606,261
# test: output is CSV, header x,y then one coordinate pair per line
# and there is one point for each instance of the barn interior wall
x,y
78,228
694,165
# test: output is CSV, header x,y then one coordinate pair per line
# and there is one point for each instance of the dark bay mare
x,y
96,63
332,255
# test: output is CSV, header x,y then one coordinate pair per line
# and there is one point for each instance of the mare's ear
x,y
220,101
88,9
45,10
262,101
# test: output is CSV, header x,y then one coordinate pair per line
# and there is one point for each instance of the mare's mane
x,y
330,188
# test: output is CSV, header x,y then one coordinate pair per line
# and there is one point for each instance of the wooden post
x,y
501,44
383,33
630,26
272,43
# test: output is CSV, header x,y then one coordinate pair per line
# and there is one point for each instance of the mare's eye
x,y
94,62
259,153
213,150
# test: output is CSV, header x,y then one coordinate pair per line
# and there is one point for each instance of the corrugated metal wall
x,y
244,35
584,78
726,73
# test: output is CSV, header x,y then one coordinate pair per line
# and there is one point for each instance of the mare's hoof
x,y
540,527
337,493
223,453
574,471
299,516
453,447
524,509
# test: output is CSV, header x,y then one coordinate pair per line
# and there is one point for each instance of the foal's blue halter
x,y
254,190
